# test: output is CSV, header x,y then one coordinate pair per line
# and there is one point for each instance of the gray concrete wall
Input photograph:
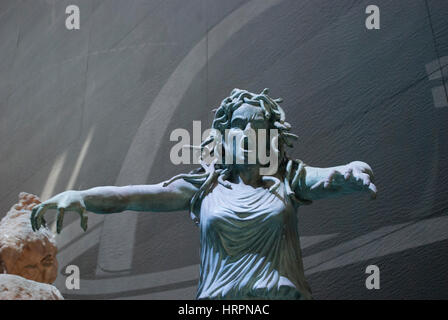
x,y
95,106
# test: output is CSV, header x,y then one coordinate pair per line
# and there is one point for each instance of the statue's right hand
x,y
66,201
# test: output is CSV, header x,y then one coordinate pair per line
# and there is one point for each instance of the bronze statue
x,y
247,212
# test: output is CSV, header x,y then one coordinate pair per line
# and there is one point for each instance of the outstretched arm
x,y
152,197
322,183
110,199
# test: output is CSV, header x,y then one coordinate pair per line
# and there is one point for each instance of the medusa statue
x,y
244,201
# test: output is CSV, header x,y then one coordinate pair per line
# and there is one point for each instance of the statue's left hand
x,y
361,176
355,176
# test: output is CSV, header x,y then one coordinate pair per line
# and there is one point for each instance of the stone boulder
x,y
13,287
23,252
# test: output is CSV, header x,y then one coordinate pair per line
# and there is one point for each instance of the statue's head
x,y
23,252
252,128
249,128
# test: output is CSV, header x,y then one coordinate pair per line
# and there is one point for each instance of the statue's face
x,y
248,116
37,261
246,119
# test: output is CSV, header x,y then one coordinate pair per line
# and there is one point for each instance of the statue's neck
x,y
247,174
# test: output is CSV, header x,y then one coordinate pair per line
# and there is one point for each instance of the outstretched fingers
x,y
372,190
317,184
364,180
330,179
33,217
348,173
84,218
40,216
37,216
60,219
326,182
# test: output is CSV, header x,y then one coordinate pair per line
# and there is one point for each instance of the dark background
x,y
96,106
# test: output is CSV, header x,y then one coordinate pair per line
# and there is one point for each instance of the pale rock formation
x,y
28,254
13,287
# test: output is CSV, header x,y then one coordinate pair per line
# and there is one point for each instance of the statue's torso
x,y
250,246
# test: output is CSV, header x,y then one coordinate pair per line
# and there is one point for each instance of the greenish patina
x,y
247,213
